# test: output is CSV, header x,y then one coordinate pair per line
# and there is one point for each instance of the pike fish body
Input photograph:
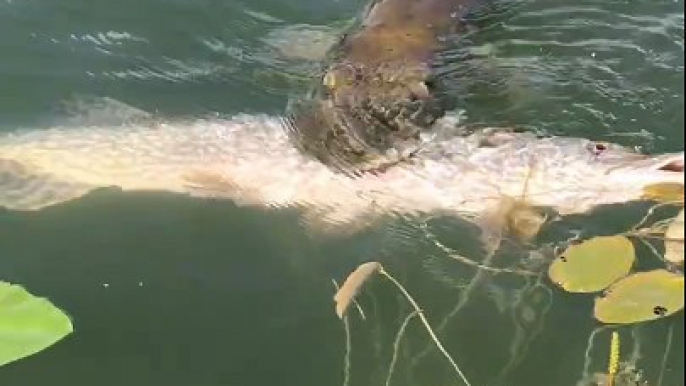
x,y
250,160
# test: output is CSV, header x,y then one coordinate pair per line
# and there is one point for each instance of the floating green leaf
x,y
593,265
28,324
674,240
641,297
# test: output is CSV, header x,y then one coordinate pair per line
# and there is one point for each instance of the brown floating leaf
x,y
641,297
674,240
352,285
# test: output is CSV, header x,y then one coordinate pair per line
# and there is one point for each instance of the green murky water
x,y
167,290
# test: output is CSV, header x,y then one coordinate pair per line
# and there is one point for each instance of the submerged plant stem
x,y
589,348
348,343
396,345
348,349
473,263
665,357
426,324
649,213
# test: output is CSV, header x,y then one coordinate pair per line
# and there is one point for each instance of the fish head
x,y
361,115
574,175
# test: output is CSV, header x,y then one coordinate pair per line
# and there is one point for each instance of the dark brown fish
x,y
379,91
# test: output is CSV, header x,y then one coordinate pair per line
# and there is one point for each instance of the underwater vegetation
x,y
605,266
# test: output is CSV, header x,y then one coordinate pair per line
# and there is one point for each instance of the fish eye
x,y
598,148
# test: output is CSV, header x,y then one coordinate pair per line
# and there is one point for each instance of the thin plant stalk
x,y
348,350
665,357
396,345
420,313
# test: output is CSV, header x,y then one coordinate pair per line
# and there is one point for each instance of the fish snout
x,y
674,163
669,165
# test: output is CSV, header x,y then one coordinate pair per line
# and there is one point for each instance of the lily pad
x,y
641,297
593,265
665,192
674,240
28,324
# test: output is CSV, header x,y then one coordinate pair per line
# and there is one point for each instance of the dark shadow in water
x,y
169,291
164,290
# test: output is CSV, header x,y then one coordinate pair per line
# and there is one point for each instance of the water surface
x,y
166,290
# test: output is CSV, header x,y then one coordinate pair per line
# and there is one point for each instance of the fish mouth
x,y
673,164
670,165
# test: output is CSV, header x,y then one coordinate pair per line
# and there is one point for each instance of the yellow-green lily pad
x,y
28,324
665,192
641,297
593,265
674,240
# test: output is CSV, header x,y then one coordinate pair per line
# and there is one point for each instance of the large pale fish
x,y
250,160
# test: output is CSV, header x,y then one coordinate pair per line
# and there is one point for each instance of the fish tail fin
x,y
25,188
